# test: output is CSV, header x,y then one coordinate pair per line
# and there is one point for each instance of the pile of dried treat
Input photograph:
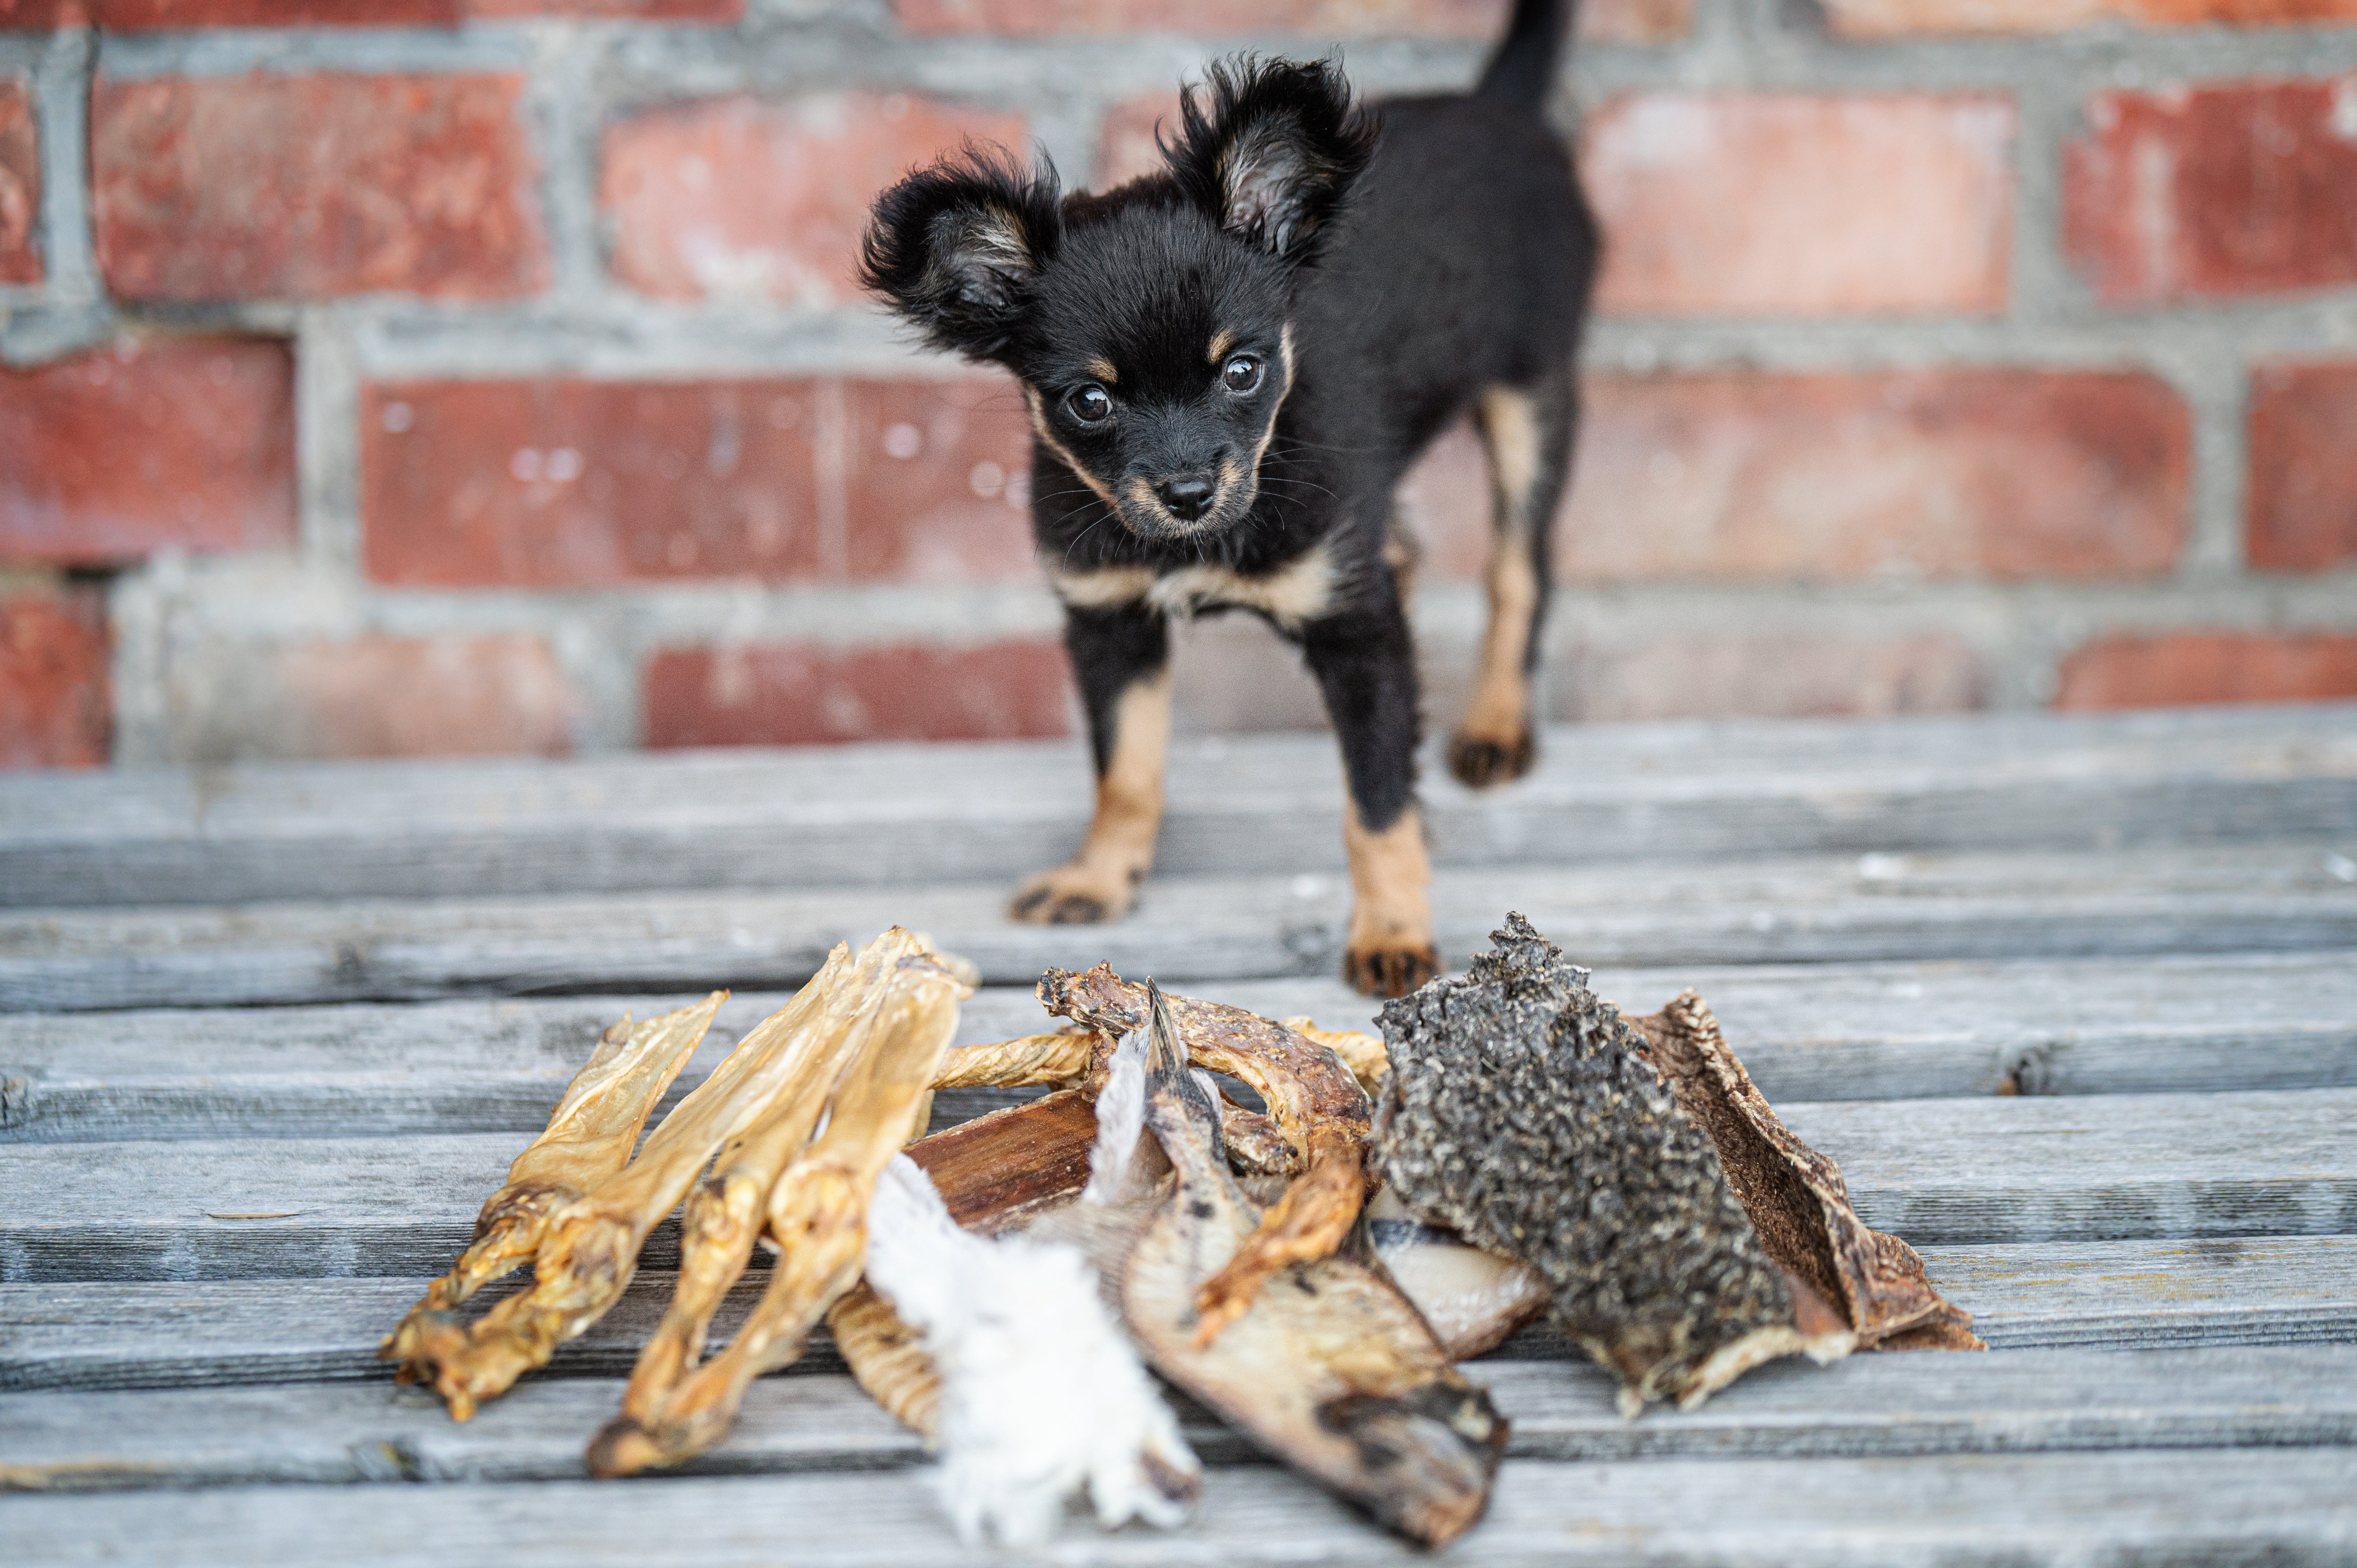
x,y
1512,1145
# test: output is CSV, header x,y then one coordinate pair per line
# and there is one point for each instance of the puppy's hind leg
x,y
1528,430
1120,657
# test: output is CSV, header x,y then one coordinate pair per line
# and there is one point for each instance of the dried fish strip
x,y
818,1217
1058,1061
725,1211
1521,1111
1331,1369
1315,1099
589,1136
592,1247
1472,1298
1796,1197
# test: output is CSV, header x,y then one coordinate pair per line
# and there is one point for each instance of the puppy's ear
x,y
956,249
1269,149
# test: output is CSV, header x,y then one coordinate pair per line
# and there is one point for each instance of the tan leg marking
x,y
1390,951
1101,882
1493,743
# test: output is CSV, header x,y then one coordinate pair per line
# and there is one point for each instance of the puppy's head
x,y
1148,326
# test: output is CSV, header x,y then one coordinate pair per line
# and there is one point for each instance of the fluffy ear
x,y
1269,149
955,249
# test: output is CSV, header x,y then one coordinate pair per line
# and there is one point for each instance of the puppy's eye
x,y
1240,374
1091,404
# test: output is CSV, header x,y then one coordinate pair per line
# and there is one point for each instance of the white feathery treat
x,y
1121,1120
1040,1391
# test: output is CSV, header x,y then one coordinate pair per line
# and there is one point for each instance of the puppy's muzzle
x,y
1187,497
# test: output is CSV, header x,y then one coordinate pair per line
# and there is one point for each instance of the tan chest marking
x,y
1291,595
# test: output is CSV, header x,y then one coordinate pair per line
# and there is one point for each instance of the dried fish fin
x,y
1796,1197
589,1136
1331,1369
817,1213
591,1249
1058,1061
1315,1100
1588,1171
1361,1053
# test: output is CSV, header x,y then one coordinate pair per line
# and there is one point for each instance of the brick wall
x,y
416,376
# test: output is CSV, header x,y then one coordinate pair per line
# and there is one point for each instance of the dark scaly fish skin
x,y
1332,1369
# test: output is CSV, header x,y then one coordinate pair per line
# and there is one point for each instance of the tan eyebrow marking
x,y
1221,341
1102,370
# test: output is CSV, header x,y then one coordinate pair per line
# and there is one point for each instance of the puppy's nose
x,y
1188,496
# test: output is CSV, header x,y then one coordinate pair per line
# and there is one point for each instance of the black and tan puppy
x,y
1229,365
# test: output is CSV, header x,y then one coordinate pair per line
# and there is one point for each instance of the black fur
x,y
1409,259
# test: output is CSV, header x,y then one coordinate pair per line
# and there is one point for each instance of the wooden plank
x,y
750,820
2149,1295
1938,1172
1813,1032
2279,1506
2278,896
1869,1406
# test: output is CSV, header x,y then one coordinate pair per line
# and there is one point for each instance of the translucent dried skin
x,y
1796,1197
1315,1100
592,1244
1471,1298
1059,1060
1331,1368
817,1213
589,1136
1522,1112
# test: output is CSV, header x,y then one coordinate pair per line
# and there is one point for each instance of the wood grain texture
x,y
2035,1402
2273,1506
2277,895
2114,1294
754,819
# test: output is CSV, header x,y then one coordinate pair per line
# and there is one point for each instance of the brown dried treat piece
x,y
1521,1111
1361,1053
589,1136
1331,1369
1317,1102
888,1359
1060,1060
1796,1197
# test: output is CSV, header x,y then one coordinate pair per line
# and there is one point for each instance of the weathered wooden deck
x,y
2074,1003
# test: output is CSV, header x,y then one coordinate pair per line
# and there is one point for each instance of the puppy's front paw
x,y
1389,969
1481,760
1076,895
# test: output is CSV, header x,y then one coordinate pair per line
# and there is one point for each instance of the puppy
x,y
1228,365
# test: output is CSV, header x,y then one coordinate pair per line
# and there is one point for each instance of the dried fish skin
x,y
589,1136
1331,1370
817,1213
1472,1299
1521,1111
591,1248
1796,1197
1317,1104
1058,1061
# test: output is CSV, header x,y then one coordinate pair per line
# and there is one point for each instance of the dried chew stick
x,y
592,1248
1317,1103
1796,1197
589,1136
1059,1060
726,1210
816,1213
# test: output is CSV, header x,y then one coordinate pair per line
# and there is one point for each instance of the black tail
x,y
1524,68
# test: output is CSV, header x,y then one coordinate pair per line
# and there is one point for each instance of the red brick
x,y
2210,667
311,187
2301,493
56,708
574,483
2003,474
735,198
1606,21
412,696
44,14
1898,18
139,15
2211,192
799,694
1791,676
184,442
20,184
1758,204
